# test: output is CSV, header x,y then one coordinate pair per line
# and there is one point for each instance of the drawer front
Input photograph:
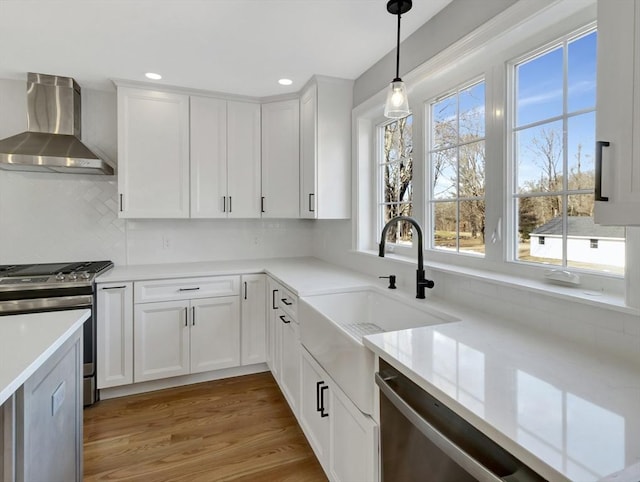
x,y
288,302
185,288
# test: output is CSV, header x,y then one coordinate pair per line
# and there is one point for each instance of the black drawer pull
x,y
284,300
322,408
189,289
283,319
598,185
273,300
114,287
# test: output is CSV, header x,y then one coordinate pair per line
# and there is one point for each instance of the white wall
x,y
46,217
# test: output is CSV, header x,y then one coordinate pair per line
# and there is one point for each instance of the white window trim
x,y
520,29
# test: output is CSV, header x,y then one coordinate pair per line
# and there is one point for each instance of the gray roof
x,y
579,226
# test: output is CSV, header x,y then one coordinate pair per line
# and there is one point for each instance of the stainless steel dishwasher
x,y
424,441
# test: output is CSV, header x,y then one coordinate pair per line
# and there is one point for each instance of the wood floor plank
x,y
238,429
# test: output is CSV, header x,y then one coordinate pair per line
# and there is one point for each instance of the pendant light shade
x,y
397,105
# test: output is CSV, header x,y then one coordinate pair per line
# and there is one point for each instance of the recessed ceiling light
x,y
153,76
285,82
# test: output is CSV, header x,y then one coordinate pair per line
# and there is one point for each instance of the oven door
x,y
422,440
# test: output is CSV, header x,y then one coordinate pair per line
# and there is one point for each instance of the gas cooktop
x,y
58,275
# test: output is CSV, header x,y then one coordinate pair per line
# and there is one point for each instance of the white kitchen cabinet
x,y
325,149
214,334
344,439
618,113
161,341
274,347
114,325
243,160
290,356
253,319
315,408
186,336
353,440
208,157
281,159
153,153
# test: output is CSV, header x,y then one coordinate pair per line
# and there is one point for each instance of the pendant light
x,y
397,105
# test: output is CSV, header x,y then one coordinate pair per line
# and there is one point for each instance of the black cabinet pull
x,y
245,290
224,204
598,187
284,320
193,316
121,203
273,300
284,300
311,207
262,204
114,287
230,205
322,409
186,316
189,289
318,385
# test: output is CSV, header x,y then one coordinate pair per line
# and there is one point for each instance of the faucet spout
x,y
421,282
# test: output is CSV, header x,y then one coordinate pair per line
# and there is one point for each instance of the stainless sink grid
x,y
358,330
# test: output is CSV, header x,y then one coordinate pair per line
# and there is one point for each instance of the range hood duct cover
x,y
52,140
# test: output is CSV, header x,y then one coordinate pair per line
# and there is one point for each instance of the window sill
x,y
575,294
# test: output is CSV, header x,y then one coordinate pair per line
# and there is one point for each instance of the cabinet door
x,y
208,157
243,160
281,159
315,407
353,441
290,370
215,333
254,319
153,154
114,320
274,355
618,119
161,340
308,151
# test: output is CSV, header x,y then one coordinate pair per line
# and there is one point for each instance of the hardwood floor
x,y
238,429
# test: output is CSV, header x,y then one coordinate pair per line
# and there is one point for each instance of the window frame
x,y
486,53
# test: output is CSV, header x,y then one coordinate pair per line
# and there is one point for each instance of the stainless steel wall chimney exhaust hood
x,y
52,140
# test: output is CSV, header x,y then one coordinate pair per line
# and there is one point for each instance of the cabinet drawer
x,y
185,288
288,302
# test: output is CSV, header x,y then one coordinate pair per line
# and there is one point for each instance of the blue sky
x,y
539,93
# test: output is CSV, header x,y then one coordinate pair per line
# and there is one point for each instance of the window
x,y
456,157
540,239
395,176
553,139
593,243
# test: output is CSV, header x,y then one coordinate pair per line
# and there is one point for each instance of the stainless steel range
x,y
31,288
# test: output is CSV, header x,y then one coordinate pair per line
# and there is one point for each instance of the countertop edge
x,y
29,370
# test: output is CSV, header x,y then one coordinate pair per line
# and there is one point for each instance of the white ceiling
x,y
235,46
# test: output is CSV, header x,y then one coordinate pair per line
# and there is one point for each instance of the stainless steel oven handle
x,y
464,460
46,304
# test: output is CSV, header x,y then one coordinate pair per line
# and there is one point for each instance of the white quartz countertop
x,y
304,276
27,341
568,413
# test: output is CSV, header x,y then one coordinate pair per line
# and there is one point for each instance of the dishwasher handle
x,y
463,459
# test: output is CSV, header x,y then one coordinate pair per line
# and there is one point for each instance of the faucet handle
x,y
392,280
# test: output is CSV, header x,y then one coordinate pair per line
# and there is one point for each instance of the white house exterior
x,y
586,242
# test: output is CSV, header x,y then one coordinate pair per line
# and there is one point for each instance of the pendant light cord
x,y
398,44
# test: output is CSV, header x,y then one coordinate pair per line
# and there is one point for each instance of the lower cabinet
x,y
290,367
187,336
114,335
344,439
254,323
274,329
48,419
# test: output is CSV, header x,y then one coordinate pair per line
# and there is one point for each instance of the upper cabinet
x,y
281,159
243,159
153,154
325,149
184,156
225,158
199,156
618,114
